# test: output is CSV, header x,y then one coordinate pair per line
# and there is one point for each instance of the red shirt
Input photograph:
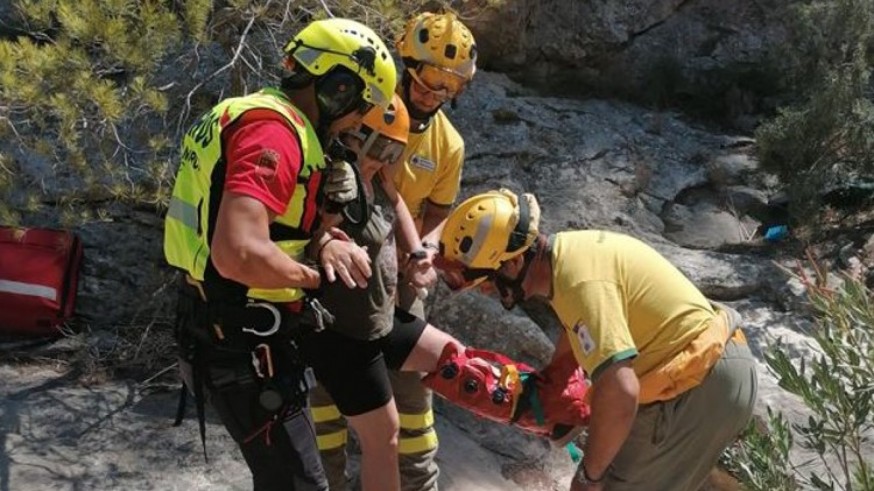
x,y
263,161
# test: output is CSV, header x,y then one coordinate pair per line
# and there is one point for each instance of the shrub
x,y
837,387
827,136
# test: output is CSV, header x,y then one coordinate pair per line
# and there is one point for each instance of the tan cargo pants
x,y
418,439
674,444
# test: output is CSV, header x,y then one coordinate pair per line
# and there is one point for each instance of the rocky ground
x,y
64,430
61,433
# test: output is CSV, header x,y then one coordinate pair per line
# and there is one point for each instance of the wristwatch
x,y
582,476
427,244
419,254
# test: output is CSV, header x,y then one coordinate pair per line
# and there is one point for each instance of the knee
x,y
378,431
382,443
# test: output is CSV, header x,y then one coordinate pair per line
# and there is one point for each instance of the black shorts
x,y
355,371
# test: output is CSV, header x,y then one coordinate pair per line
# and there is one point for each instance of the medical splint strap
x,y
39,276
688,368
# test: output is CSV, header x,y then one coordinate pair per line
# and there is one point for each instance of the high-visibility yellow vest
x,y
192,211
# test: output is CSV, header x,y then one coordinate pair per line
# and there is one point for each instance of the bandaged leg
x,y
549,403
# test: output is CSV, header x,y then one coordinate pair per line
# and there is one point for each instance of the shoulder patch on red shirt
x,y
266,163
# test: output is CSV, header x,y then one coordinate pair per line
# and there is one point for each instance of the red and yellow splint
x,y
549,403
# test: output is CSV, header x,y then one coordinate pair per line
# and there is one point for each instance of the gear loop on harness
x,y
277,319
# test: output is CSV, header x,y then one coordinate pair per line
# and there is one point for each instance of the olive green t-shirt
x,y
367,313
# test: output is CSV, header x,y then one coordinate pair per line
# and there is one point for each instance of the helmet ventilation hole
x,y
465,244
450,51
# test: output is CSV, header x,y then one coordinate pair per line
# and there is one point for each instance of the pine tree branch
x,y
237,52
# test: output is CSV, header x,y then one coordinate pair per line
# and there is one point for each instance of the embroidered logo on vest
x,y
587,344
423,163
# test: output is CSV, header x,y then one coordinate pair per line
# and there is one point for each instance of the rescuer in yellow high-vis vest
x,y
245,208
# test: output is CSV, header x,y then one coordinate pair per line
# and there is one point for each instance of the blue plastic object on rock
x,y
776,233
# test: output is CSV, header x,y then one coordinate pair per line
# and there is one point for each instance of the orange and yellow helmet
x,y
384,133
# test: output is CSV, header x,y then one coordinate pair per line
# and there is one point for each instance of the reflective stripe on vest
x,y
187,225
29,289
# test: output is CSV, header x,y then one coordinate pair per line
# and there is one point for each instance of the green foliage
x,y
828,135
100,91
79,91
836,386
196,16
761,460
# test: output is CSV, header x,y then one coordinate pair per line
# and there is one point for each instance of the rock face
x,y
690,48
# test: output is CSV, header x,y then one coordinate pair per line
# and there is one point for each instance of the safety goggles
x,y
439,82
339,93
458,277
378,147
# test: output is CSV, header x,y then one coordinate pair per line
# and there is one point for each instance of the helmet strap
x,y
519,236
296,80
511,290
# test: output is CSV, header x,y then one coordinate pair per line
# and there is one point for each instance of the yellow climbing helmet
x,y
323,45
440,45
490,228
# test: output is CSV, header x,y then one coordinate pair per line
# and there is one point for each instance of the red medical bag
x,y
39,275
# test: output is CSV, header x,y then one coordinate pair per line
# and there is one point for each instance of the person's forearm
x,y
263,265
433,220
614,407
327,229
405,231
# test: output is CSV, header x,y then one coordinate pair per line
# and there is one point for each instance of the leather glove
x,y
341,186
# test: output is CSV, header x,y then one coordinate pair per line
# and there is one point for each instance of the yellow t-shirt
x,y
431,167
619,299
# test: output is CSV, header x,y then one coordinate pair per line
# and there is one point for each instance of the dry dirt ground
x,y
58,433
